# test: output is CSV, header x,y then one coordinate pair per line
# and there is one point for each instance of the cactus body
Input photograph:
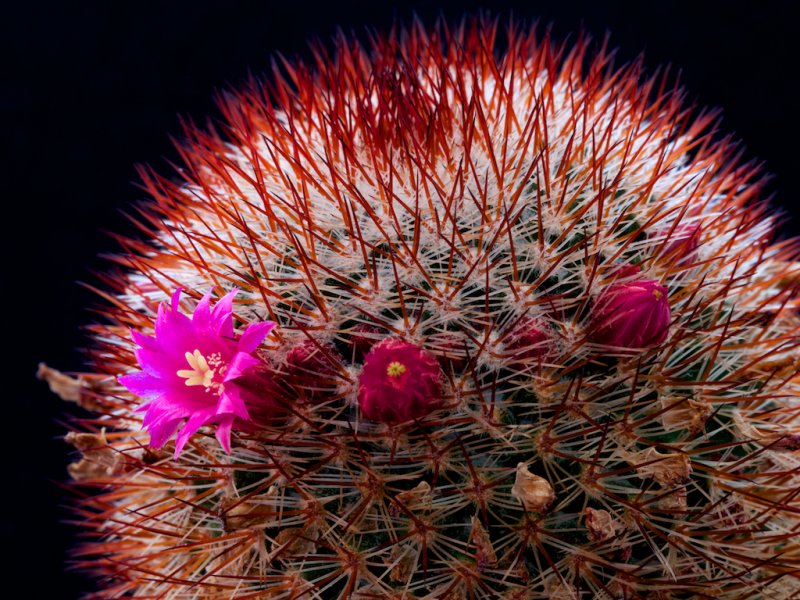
x,y
486,216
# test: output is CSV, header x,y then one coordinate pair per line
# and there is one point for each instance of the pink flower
x,y
529,340
399,382
631,315
189,370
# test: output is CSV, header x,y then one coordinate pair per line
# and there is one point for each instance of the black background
x,y
87,91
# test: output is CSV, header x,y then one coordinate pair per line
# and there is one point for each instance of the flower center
x,y
395,369
657,294
203,370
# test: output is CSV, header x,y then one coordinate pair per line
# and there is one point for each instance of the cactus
x,y
533,338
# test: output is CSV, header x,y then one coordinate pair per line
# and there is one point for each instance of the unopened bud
x,y
310,369
529,340
682,242
631,315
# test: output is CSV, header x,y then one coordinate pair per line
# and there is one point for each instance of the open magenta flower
x,y
631,315
399,382
189,368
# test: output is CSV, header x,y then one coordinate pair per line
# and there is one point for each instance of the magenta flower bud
x,y
399,382
623,271
529,340
267,400
631,315
310,368
364,337
682,243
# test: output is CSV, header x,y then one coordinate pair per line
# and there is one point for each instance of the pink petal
x,y
158,411
231,403
240,363
201,319
145,341
617,319
176,300
160,364
224,433
254,335
161,432
174,404
221,316
142,384
195,422
169,402
171,328
411,394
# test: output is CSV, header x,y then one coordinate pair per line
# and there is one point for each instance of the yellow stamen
x,y
657,294
395,369
200,373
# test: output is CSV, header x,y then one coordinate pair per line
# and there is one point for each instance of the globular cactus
x,y
533,339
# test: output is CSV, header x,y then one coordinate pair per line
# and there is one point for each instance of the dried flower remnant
x,y
534,492
601,526
485,555
295,541
66,387
667,468
683,414
558,589
416,499
189,368
72,389
402,561
98,459
776,437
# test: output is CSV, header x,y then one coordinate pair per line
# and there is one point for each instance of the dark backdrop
x,y
87,91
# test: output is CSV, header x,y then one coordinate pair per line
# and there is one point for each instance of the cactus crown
x,y
588,318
